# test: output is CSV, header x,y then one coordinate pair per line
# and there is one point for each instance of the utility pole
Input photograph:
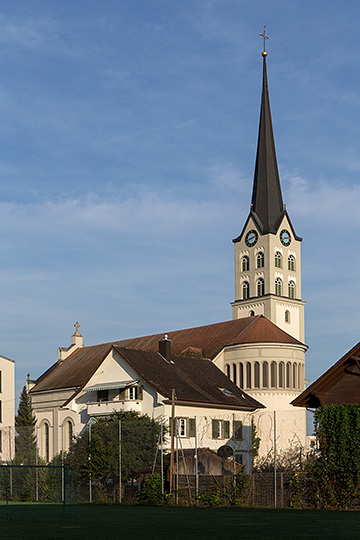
x,y
172,440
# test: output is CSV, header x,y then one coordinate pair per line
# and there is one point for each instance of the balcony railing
x,y
108,407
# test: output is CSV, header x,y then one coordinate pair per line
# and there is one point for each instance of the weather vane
x,y
265,37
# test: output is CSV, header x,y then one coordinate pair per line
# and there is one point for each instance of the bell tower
x,y
268,250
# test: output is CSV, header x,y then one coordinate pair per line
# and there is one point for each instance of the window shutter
x,y
215,429
122,394
226,428
192,427
238,435
140,392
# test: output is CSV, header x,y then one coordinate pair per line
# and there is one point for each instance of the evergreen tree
x,y
25,439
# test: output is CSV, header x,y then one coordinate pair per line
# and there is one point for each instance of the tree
x,y
96,453
336,466
25,438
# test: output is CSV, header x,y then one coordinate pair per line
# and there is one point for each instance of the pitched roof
x,y
339,384
207,341
195,380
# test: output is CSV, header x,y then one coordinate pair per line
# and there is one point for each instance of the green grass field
x,y
111,521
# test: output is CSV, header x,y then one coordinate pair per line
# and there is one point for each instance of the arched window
x,y
245,290
287,316
257,375
260,260
45,429
227,369
281,375
248,375
300,382
291,263
278,287
67,433
245,263
273,375
234,374
278,260
252,313
291,288
265,370
294,375
260,287
288,375
241,375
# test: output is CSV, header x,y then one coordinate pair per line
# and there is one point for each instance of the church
x,y
225,376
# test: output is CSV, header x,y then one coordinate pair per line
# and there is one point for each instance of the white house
x,y
210,410
7,409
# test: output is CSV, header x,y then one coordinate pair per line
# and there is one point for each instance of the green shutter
x,y
226,429
122,394
192,427
140,392
215,429
238,435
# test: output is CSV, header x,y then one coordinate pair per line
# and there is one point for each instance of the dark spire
x,y
267,206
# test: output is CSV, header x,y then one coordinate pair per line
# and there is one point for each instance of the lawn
x,y
111,521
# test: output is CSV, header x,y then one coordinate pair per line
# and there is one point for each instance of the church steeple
x,y
268,251
267,207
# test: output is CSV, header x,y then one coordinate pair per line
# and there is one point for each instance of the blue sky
x,y
127,145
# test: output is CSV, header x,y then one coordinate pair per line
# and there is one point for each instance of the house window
x,y
102,395
299,381
248,374
67,434
0,440
257,375
135,392
291,263
260,287
260,260
278,260
241,375
0,381
227,368
220,429
273,374
294,375
265,370
245,265
278,287
291,288
238,430
0,411
185,427
287,316
245,290
234,374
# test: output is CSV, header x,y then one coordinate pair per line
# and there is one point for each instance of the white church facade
x,y
260,352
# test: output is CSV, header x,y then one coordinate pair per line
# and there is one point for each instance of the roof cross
x,y
263,35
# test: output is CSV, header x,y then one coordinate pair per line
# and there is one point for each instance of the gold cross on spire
x,y
265,37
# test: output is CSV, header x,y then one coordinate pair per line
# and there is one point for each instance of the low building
x,y
210,409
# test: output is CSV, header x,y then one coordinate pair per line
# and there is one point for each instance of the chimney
x,y
165,347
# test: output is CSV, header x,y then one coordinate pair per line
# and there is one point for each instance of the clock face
x,y
285,237
251,238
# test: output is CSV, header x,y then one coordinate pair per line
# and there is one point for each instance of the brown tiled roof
x,y
339,384
77,369
195,380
